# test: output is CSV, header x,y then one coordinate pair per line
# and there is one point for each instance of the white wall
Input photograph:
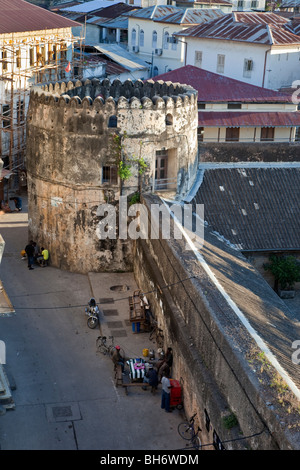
x,y
172,57
275,74
284,66
247,5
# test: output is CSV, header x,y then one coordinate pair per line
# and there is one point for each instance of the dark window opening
x,y
200,134
110,174
267,134
169,120
113,121
232,134
234,105
6,116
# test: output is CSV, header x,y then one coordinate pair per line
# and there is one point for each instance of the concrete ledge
x,y
6,307
6,400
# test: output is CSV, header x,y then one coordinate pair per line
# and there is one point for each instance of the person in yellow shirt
x,y
44,258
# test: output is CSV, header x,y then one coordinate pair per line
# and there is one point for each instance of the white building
x,y
252,47
234,111
151,34
248,5
35,45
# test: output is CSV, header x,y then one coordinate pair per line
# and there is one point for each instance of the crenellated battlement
x,y
95,93
72,154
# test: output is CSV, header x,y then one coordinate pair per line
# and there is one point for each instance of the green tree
x,y
285,269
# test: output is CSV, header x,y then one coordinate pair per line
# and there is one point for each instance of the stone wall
x,y
210,350
249,152
70,140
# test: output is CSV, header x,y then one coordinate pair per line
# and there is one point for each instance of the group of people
x,y
34,255
158,373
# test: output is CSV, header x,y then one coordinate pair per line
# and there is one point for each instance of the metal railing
x,y
164,183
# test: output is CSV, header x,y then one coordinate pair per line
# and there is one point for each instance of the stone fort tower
x,y
77,134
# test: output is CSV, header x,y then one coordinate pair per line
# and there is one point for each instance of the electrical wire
x,y
228,440
99,303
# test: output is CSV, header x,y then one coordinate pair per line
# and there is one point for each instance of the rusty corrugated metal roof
x,y
226,28
293,26
213,87
154,12
113,11
191,16
248,119
259,18
20,16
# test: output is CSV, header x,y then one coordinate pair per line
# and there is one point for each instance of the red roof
x,y
213,87
248,119
19,16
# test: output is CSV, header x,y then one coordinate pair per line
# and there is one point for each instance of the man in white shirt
x,y
166,392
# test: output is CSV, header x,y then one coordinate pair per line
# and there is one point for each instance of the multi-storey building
x,y
35,46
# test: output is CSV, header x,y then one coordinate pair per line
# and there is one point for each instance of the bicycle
x,y
187,431
156,334
106,349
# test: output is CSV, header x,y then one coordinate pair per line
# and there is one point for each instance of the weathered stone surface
x,y
69,141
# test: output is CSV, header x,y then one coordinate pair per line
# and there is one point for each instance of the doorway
x,y
161,169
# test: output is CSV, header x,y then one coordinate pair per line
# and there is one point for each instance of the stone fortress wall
x,y
70,129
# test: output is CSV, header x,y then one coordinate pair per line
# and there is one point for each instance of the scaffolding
x,y
27,60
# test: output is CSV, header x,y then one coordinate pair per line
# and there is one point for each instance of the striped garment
x,y
137,368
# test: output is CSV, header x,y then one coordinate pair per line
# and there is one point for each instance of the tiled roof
x,y
248,119
253,208
20,16
226,28
213,87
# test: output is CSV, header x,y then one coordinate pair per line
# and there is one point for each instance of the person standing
x,y
165,393
117,358
151,378
29,249
18,202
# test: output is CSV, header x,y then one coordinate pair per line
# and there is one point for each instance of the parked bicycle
x,y
106,349
187,431
156,334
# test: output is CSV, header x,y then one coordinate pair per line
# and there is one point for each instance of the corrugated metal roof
x,y
248,119
113,11
226,28
257,209
191,16
121,56
213,87
154,12
63,5
259,18
289,4
121,23
20,16
293,26
88,7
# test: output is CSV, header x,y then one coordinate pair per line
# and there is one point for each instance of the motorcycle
x,y
92,311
